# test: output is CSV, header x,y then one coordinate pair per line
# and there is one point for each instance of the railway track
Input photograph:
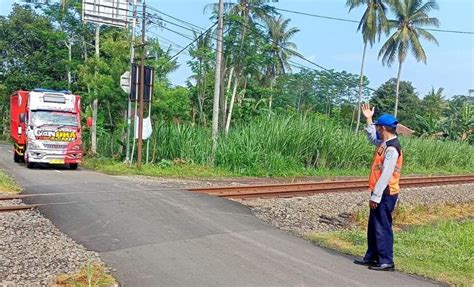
x,y
279,190
10,208
310,188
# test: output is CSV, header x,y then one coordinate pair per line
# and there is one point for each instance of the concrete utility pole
x,y
132,56
141,93
217,84
95,102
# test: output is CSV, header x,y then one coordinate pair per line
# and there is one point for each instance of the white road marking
x,y
57,170
10,151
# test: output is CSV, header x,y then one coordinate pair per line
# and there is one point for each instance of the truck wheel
x,y
73,166
29,164
16,157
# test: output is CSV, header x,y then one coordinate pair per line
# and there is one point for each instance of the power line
x,y
300,66
180,26
177,19
266,37
200,29
166,41
194,41
355,21
451,31
173,31
329,70
253,29
318,16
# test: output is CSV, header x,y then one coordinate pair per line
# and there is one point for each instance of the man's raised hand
x,y
368,112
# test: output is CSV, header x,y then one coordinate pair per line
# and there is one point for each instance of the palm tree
x,y
281,49
201,52
372,24
244,15
412,16
250,13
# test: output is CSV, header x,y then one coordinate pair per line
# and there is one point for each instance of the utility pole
x,y
142,91
95,102
132,56
217,84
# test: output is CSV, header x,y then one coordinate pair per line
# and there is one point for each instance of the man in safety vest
x,y
384,187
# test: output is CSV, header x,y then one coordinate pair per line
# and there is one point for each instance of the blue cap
x,y
387,120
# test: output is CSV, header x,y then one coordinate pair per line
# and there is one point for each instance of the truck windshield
x,y
41,118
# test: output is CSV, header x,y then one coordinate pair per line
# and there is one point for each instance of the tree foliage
x,y
49,46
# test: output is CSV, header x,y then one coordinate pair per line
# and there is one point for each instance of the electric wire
x,y
355,21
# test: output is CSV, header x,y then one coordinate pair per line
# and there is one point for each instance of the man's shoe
x,y
365,262
383,267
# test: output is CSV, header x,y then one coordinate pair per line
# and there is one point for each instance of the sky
x,y
337,45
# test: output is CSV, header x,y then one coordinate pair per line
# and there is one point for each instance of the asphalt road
x,y
153,236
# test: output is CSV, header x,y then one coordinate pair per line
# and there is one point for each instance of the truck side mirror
x,y
89,122
22,118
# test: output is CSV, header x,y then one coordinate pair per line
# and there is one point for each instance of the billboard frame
x,y
107,12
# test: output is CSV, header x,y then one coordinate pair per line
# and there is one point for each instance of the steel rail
x,y
277,190
11,208
310,188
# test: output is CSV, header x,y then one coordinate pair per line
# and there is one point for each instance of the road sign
x,y
148,89
125,82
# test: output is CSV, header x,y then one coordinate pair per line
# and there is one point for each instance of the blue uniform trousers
x,y
379,232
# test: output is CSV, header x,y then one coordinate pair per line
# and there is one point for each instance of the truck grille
x,y
55,146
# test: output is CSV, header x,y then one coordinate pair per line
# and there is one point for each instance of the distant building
x,y
404,130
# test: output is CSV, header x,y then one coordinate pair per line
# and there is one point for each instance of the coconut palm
x,y
281,48
372,24
250,12
243,16
412,16
201,52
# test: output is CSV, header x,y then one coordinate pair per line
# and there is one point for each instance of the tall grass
x,y
292,145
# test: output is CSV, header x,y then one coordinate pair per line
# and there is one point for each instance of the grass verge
x,y
165,169
435,242
409,216
182,169
7,184
91,275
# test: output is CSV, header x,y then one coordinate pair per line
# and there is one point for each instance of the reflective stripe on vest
x,y
376,171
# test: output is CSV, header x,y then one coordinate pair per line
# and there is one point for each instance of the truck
x,y
45,126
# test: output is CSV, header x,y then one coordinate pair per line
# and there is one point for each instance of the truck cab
x,y
46,127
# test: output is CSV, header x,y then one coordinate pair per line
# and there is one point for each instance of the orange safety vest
x,y
393,186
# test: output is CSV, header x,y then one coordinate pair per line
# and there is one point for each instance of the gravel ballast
x,y
333,211
33,251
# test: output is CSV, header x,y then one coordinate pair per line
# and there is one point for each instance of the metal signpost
x,y
116,13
